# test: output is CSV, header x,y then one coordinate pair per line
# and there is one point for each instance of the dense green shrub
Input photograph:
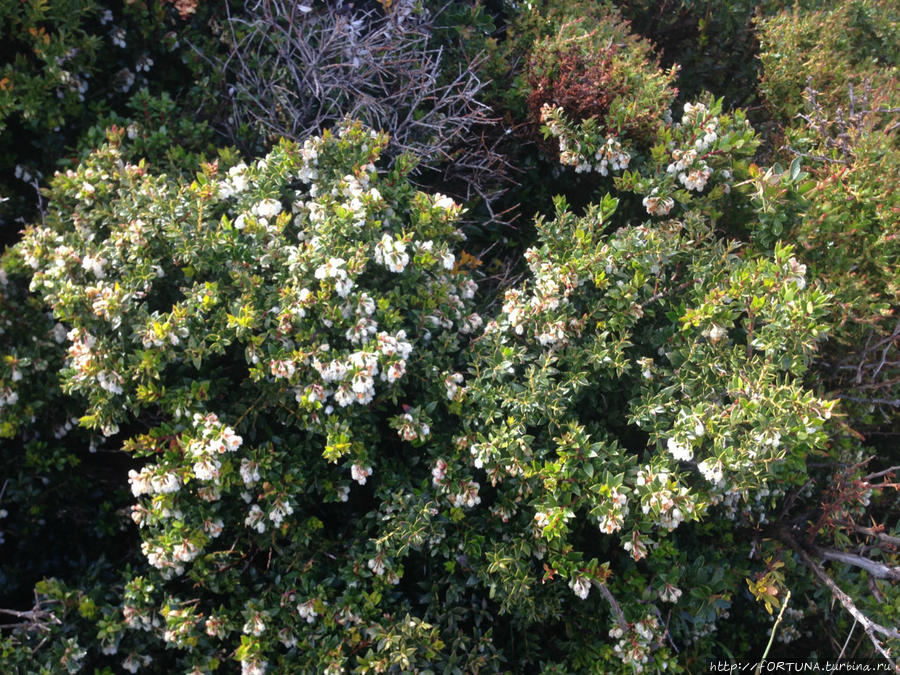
x,y
830,73
701,165
171,326
639,382
631,463
259,336
827,47
69,66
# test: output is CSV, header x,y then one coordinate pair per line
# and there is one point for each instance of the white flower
x,y
94,265
256,519
798,272
376,565
8,397
124,79
144,63
678,451
343,396
452,383
468,496
670,593
699,429
581,586
255,667
281,509
658,206
131,664
307,611
391,253
255,625
214,527
249,472
444,202
332,268
439,472
287,638
716,333
207,469
281,369
712,471
695,179
359,473
343,286
230,439
267,208
395,371
118,37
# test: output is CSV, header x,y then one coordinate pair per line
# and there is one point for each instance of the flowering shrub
x,y
262,408
638,382
314,454
695,162
579,146
703,153
259,403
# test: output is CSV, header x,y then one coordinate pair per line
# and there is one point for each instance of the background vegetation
x,y
410,336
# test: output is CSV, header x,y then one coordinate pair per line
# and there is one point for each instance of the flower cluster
x,y
701,151
636,641
583,147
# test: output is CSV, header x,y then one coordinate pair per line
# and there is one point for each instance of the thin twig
x,y
759,666
847,641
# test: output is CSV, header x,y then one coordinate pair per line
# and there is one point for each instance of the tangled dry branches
x,y
296,70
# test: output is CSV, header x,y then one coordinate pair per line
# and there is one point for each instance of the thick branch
x,y
879,474
870,627
876,569
878,534
620,616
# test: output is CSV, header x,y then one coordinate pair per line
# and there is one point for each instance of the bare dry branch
x,y
876,569
296,72
870,627
876,532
